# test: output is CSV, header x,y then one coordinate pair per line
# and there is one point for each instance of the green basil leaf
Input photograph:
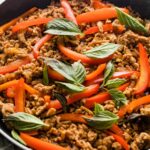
x,y
72,87
45,75
114,83
62,27
97,109
130,22
74,73
16,136
79,72
62,99
24,122
60,67
102,51
118,97
108,72
103,120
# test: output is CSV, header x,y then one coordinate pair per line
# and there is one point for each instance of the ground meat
x,y
75,136
6,108
142,141
145,110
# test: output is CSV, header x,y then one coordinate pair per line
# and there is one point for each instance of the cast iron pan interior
x,y
12,8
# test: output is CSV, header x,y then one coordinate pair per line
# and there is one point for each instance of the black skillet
x,y
12,8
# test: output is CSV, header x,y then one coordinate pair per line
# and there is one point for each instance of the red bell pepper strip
x,y
68,11
89,91
19,96
97,4
73,117
96,72
91,30
38,144
77,56
27,87
101,97
149,78
47,99
122,111
119,139
13,66
55,75
97,15
143,80
133,105
31,90
80,119
39,44
4,27
138,102
25,24
10,92
8,84
121,74
116,130
108,27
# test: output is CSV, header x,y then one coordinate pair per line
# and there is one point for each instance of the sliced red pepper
x,y
97,4
39,44
4,27
116,130
10,92
91,30
19,96
73,117
101,97
25,24
121,74
96,72
77,56
38,144
80,119
120,139
108,27
8,84
133,105
138,102
97,15
55,75
13,66
68,11
31,90
143,80
89,91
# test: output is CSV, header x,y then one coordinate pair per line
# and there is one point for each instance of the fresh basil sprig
x,y
62,27
102,51
108,72
75,73
130,22
118,97
71,87
102,119
97,109
114,83
45,75
16,136
62,99
24,122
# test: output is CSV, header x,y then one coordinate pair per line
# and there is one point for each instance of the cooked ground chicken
x,y
76,136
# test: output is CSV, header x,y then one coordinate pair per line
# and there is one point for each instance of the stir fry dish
x,y
76,76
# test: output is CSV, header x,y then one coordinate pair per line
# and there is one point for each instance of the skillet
x,y
9,10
